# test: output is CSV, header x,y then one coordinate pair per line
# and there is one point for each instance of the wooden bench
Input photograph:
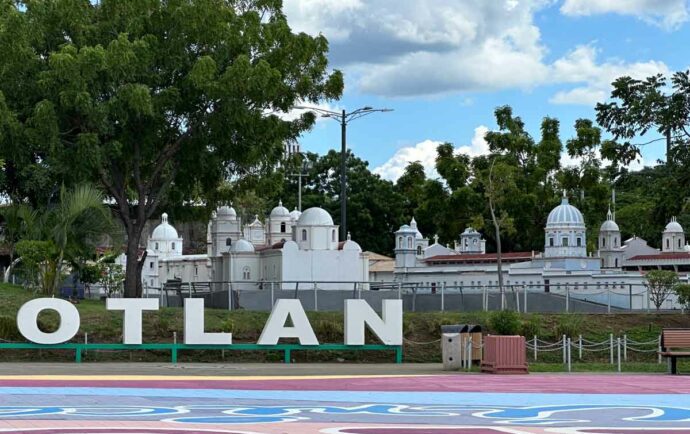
x,y
675,343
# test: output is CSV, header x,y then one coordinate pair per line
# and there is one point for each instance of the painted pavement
x,y
440,404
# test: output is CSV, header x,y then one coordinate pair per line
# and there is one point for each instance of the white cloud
x,y
665,13
404,48
580,66
425,153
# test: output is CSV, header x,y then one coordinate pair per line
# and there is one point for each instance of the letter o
x,y
27,320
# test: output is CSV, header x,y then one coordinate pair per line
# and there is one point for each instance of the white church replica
x,y
565,262
289,247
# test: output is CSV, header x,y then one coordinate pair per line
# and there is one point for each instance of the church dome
x,y
315,217
413,225
164,231
226,211
280,211
242,246
565,214
295,214
609,225
673,226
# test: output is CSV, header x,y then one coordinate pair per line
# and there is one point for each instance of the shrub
x,y
505,322
8,329
682,290
569,325
532,326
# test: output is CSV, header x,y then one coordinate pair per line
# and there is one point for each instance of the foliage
x,y
8,328
38,263
660,284
569,325
505,322
682,291
122,96
533,326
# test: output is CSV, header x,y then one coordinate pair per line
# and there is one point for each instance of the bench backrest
x,y
675,338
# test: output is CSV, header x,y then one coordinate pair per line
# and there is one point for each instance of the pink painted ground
x,y
538,383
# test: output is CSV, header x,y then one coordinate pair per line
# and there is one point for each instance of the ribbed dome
x,y
315,217
242,246
673,226
164,231
226,211
565,214
280,211
610,226
295,213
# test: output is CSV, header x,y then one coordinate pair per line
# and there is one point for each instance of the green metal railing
x,y
287,349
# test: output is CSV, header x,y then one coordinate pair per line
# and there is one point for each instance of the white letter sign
x,y
194,326
28,315
275,326
389,328
133,307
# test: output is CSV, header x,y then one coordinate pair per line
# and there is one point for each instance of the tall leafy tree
x,y
151,98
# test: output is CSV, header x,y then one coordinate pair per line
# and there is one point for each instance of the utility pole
x,y
343,118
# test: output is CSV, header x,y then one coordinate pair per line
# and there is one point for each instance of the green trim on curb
x,y
174,348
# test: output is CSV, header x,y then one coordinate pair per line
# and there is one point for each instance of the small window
x,y
304,235
196,270
151,282
550,242
409,242
603,242
173,246
419,250
474,242
282,227
615,242
151,265
579,242
333,235
467,243
564,242
156,246
668,243
400,242
679,243
616,262
246,273
228,242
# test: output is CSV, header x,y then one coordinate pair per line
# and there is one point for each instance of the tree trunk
x,y
140,266
132,268
499,268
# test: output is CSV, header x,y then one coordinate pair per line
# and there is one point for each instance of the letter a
x,y
275,326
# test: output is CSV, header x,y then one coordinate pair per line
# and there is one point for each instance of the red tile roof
x,y
276,246
660,256
481,257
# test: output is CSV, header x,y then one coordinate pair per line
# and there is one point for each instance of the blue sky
x,y
445,65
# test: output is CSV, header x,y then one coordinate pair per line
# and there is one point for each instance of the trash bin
x,y
504,355
451,350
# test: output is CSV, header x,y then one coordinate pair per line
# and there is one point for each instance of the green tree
x,y
639,107
682,291
152,99
660,284
66,233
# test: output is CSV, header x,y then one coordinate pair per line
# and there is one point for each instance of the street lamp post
x,y
343,118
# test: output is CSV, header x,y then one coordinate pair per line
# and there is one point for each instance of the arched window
x,y
156,246
419,250
173,245
400,242
474,242
228,242
333,235
579,242
668,243
616,262
564,242
603,242
304,235
409,242
550,241
246,273
282,227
